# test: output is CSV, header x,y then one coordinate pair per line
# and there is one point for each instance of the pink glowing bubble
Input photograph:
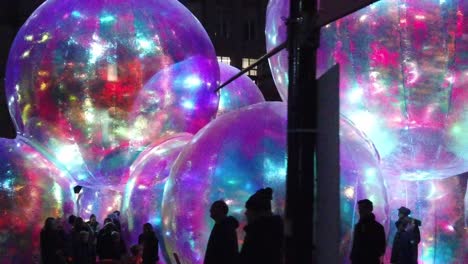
x,y
28,195
241,92
100,202
76,69
403,69
144,190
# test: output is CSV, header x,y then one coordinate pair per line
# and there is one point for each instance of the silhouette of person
x,y
49,243
222,245
263,241
150,244
369,237
135,257
93,224
82,248
104,247
407,238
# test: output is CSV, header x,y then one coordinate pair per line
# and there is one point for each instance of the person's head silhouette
x,y
259,204
219,210
365,208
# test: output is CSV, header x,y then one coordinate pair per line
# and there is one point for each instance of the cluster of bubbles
x,y
120,97
403,74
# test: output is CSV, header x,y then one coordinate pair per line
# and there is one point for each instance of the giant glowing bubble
x,y
360,178
232,157
239,93
403,69
402,81
100,202
144,190
77,68
243,151
28,195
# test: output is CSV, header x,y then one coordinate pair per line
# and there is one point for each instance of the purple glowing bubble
x,y
403,67
100,202
144,190
28,195
76,69
232,157
243,151
179,98
241,92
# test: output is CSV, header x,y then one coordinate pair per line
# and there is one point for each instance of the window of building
x,y
223,59
246,62
223,29
249,30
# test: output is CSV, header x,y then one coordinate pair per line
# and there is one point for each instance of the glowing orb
x,y
77,68
402,79
28,195
239,93
229,159
100,202
144,190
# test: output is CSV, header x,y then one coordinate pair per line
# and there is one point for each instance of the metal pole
x,y
302,125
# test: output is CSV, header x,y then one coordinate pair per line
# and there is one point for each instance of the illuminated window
x,y
246,62
223,59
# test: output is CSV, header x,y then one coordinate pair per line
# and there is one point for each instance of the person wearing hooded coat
x,y
263,243
222,245
369,237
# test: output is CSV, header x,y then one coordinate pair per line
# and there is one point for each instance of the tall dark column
x,y
302,126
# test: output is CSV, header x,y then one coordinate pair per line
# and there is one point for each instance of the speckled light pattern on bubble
x,y
77,68
142,201
404,69
28,195
239,93
100,202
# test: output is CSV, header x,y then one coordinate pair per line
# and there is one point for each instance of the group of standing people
x,y
87,243
369,242
263,242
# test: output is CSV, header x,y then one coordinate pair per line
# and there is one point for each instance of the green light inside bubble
x,y
106,19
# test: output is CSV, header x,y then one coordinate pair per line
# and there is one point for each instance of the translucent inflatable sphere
x,y
275,34
77,69
28,195
403,73
360,178
100,202
232,157
241,92
144,191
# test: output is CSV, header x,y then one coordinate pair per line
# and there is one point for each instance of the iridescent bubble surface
x,y
77,69
239,93
100,202
404,67
28,195
229,159
144,191
360,178
243,151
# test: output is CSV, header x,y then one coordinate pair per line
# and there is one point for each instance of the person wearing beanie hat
x,y
407,238
263,241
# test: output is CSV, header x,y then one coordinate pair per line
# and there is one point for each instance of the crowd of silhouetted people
x,y
87,243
